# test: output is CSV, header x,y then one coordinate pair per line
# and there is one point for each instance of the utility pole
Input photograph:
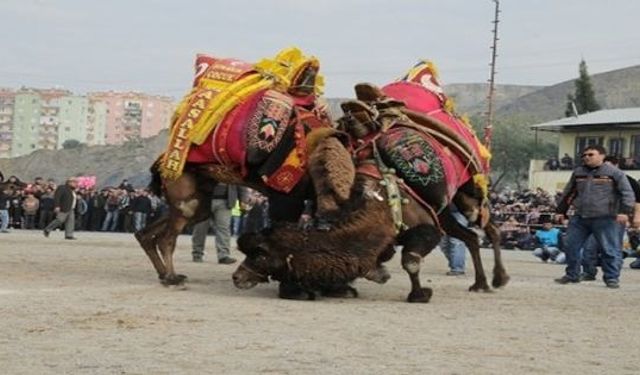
x,y
488,128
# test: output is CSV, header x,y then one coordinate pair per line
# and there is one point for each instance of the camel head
x,y
258,264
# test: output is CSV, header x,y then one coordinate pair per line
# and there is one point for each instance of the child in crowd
x,y
548,238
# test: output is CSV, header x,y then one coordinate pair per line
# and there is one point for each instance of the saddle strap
x,y
369,168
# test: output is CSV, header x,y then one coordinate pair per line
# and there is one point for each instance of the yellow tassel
x,y
449,105
484,151
482,182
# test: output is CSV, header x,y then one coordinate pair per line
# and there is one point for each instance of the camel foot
x,y
500,280
422,295
379,275
480,287
294,292
341,291
173,280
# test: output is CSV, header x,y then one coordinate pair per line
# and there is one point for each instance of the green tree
x,y
584,97
71,143
513,146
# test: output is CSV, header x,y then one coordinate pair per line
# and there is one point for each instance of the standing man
x,y
603,199
5,199
591,252
141,208
222,201
64,208
454,249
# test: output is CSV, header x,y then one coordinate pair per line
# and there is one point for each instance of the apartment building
x,y
34,119
7,97
131,115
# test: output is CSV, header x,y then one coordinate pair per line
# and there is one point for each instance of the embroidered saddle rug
x,y
415,130
243,117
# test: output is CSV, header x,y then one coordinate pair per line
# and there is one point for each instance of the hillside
x,y
471,98
110,164
615,89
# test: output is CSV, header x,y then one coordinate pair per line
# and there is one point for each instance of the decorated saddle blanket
x,y
421,91
239,115
425,165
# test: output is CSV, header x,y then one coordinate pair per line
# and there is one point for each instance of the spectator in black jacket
x,y
46,208
65,202
141,208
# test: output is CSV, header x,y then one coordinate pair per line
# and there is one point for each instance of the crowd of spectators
x,y
521,213
124,208
120,208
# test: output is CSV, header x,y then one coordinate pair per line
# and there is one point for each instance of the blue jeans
x,y
111,221
4,220
591,252
453,248
606,232
139,220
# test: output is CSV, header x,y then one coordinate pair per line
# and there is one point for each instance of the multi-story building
x,y
132,115
49,117
7,97
72,119
33,119
96,123
26,122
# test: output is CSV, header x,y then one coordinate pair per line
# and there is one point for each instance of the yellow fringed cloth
x,y
222,84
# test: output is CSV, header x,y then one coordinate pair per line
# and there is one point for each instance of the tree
x,y
71,143
513,147
584,97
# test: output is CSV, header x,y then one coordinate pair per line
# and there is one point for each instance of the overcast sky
x,y
150,45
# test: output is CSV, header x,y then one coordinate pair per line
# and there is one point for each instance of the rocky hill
x,y
110,164
615,89
471,98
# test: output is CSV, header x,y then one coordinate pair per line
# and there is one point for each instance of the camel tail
x,y
155,186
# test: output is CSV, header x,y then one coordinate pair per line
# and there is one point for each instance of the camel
x,y
396,134
259,130
365,231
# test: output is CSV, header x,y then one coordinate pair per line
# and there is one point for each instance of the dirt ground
x,y
94,306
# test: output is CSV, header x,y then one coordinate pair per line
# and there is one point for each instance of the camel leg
x,y
147,238
470,239
184,197
500,276
288,290
417,242
167,246
339,291
380,274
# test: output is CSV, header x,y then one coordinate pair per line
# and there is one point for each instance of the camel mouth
x,y
245,278
244,285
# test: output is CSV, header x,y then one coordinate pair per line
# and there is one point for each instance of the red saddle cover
x,y
419,98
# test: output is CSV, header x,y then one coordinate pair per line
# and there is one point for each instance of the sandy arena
x,y
94,306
